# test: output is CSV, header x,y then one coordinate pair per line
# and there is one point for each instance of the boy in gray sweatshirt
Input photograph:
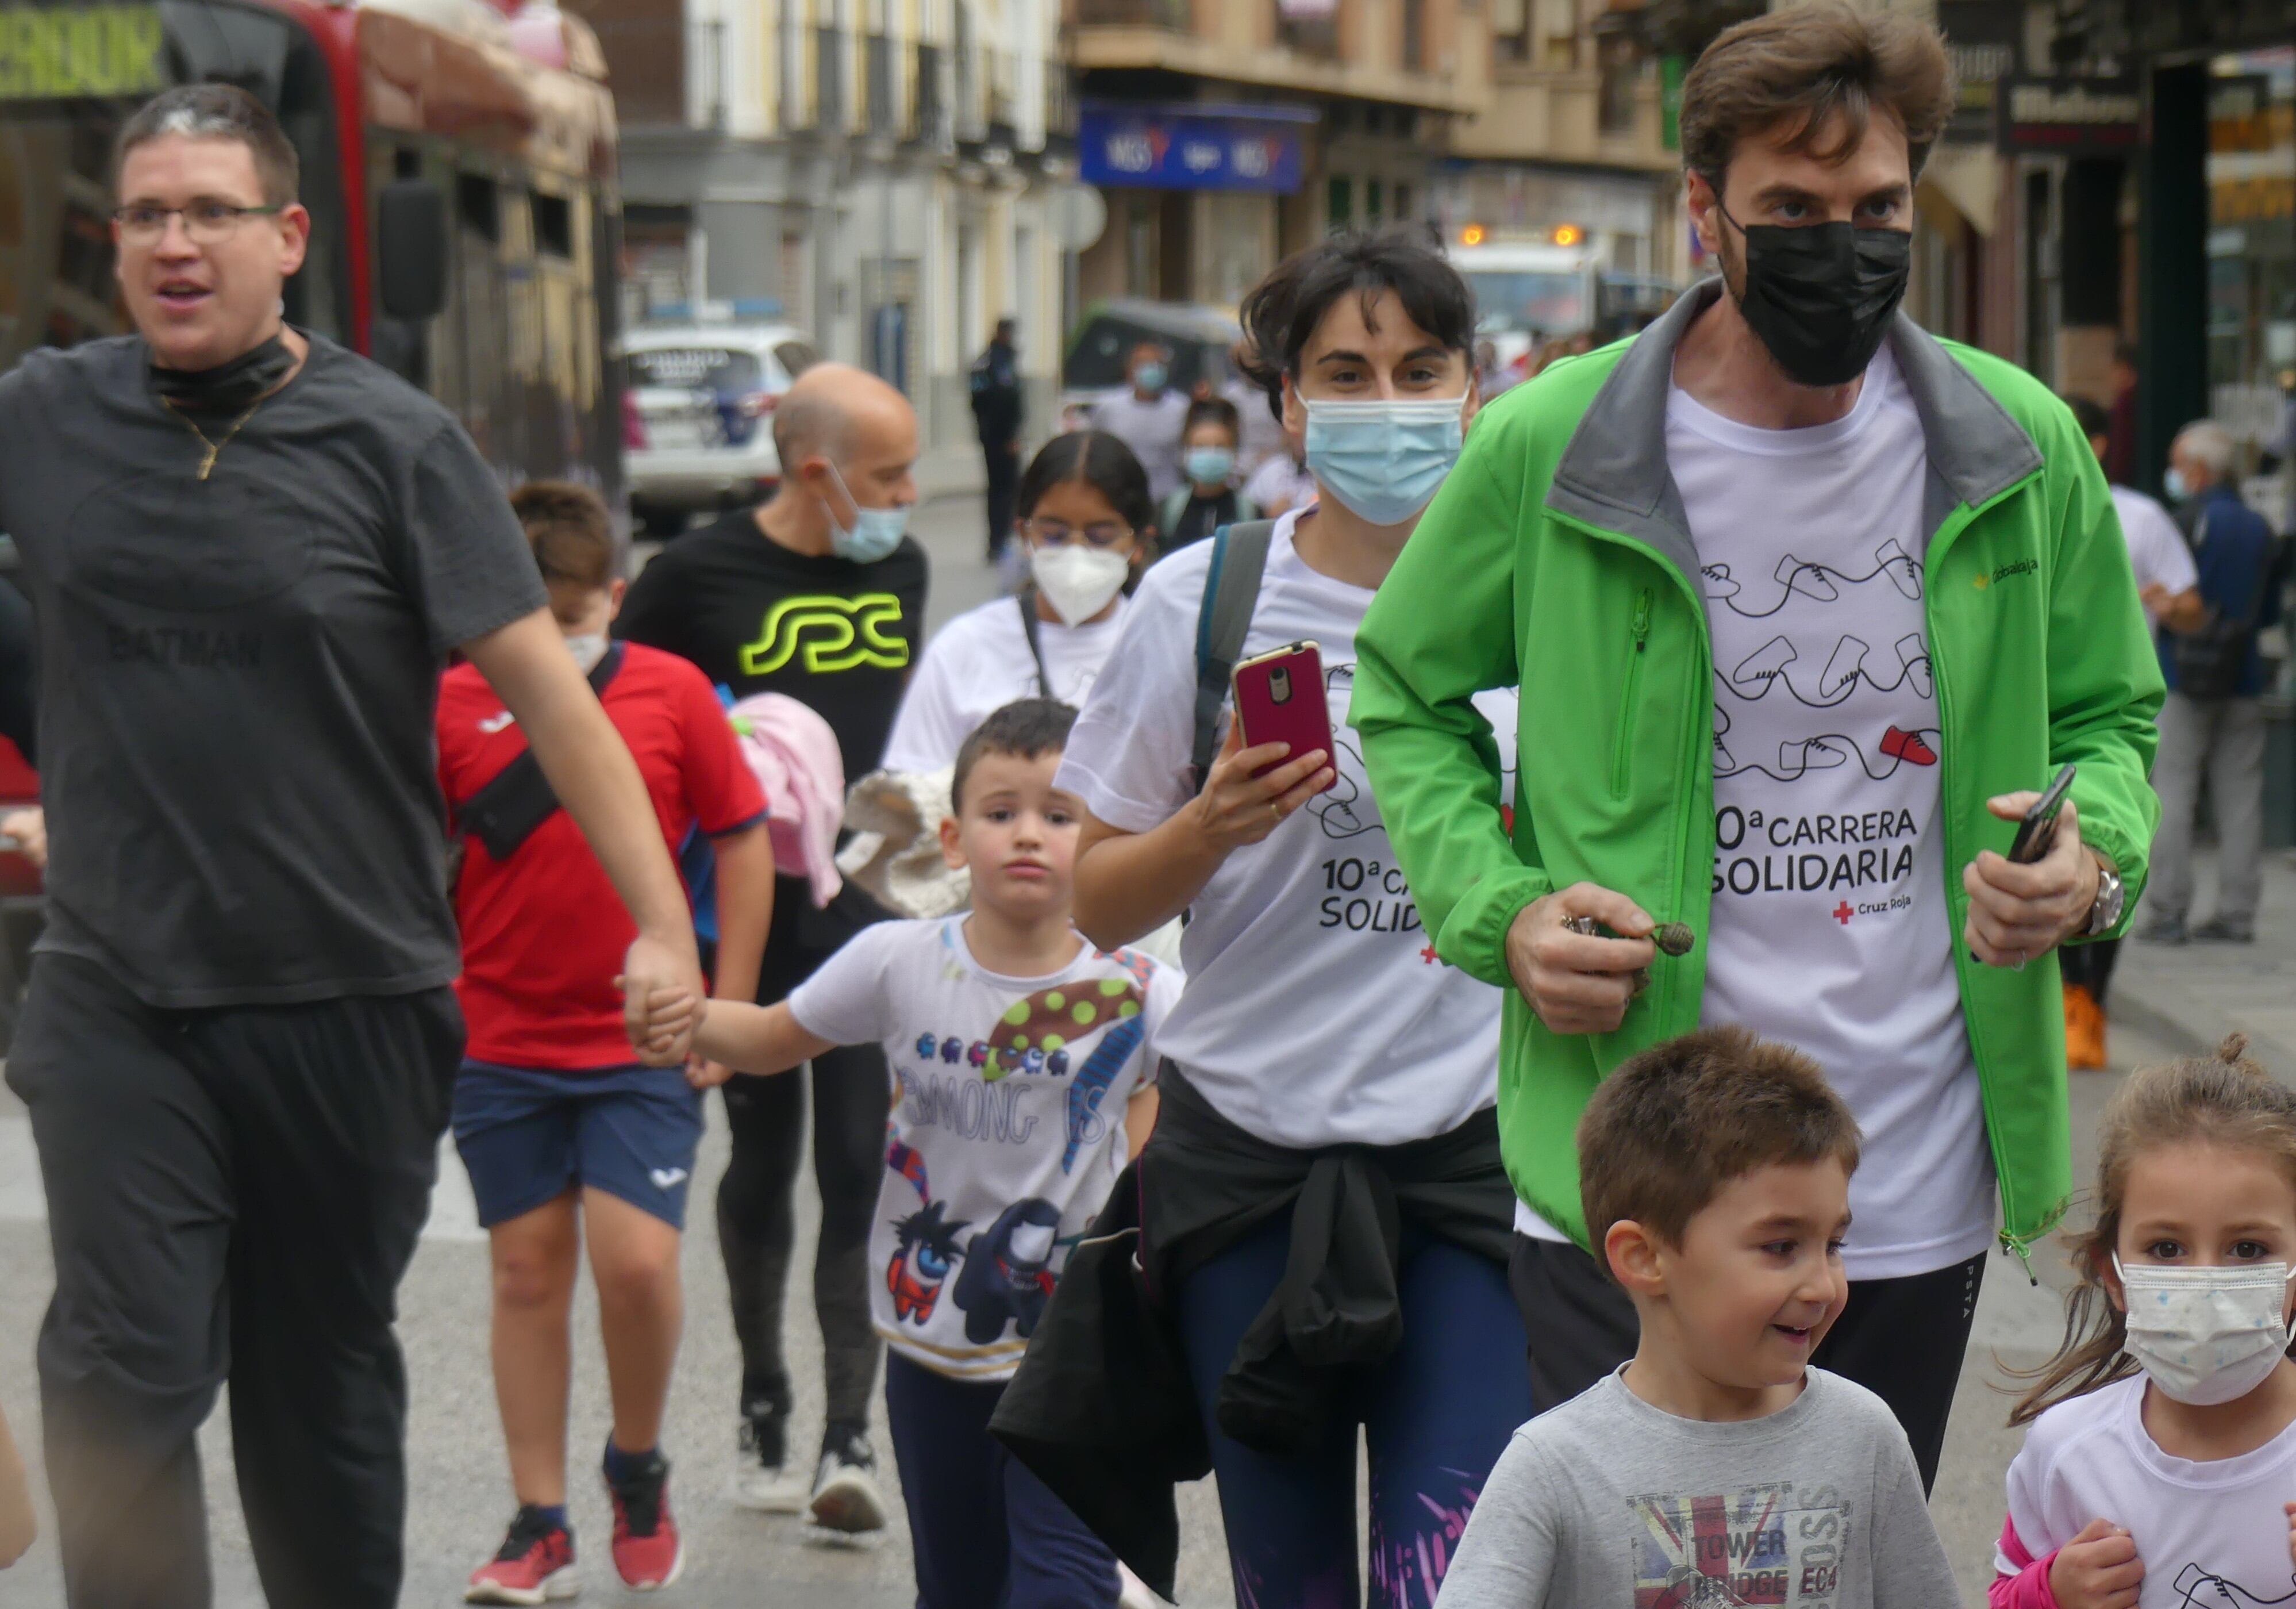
x,y
1716,1468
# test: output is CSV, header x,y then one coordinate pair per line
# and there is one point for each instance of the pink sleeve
x,y
2028,1587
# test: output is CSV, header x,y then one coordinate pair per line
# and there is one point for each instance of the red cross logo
x,y
1429,955
1843,912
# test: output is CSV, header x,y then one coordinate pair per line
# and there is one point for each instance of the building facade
x,y
1225,134
876,172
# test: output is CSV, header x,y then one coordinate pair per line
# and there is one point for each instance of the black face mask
x,y
1821,297
228,386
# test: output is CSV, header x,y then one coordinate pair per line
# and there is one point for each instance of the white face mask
x,y
1078,580
587,648
2206,1335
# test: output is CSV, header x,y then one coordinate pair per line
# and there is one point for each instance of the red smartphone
x,y
1279,699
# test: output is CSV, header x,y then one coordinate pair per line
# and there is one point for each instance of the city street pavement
x,y
2168,1001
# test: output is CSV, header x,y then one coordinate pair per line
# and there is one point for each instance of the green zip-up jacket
x,y
1557,557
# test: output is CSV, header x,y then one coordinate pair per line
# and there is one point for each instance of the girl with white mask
x,y
2162,1455
1086,527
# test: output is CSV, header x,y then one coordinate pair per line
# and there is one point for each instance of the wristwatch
x,y
2104,915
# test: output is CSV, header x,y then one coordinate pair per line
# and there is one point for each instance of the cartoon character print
x,y
1818,674
1007,1275
924,1251
1049,1020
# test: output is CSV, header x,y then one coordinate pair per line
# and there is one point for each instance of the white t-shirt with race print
x,y
1007,1128
978,663
1316,1012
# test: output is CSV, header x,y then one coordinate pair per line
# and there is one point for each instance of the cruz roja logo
x,y
833,633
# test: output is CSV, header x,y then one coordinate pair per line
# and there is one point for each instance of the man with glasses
x,y
819,594
251,552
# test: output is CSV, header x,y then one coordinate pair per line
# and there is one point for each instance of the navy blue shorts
x,y
527,1137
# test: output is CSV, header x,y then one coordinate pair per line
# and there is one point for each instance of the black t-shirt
x,y
837,636
238,676
1199,517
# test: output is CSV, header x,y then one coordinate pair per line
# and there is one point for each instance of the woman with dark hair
x,y
1324,1219
1087,525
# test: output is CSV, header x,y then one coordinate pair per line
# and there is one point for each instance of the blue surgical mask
x,y
2173,483
1384,460
1150,376
875,531
1208,465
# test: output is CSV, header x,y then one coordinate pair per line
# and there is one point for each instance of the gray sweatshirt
x,y
1610,1503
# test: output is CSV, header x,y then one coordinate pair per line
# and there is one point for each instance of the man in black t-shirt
x,y
249,553
821,596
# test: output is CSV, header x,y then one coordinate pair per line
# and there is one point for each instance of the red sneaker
x,y
648,1552
535,1566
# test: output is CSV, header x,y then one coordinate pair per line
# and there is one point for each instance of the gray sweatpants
x,y
2225,737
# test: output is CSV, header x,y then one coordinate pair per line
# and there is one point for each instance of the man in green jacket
x,y
1805,606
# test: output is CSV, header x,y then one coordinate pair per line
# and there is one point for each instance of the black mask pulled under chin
x,y
228,386
1821,297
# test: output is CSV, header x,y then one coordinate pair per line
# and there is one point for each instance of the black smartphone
x,y
2039,830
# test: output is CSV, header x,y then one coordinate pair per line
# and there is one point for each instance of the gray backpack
x,y
1223,619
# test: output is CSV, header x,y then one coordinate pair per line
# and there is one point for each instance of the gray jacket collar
x,y
1614,475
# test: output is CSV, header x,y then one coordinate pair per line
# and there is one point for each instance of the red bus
x,y
458,160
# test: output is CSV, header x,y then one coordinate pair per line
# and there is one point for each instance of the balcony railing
x,y
1060,101
829,79
1174,14
968,110
710,69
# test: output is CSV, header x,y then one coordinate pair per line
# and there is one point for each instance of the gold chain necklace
x,y
208,463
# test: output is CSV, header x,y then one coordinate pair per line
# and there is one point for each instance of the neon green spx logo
x,y
834,634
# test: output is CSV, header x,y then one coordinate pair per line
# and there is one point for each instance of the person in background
x,y
563,1137
2215,726
997,409
2169,588
1209,499
1262,437
1148,416
974,1226
250,554
2121,419
819,594
1085,525
1491,375
1281,484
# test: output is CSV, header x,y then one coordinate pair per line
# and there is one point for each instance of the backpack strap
x,y
1033,629
1223,619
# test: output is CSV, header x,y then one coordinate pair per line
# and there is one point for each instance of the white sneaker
x,y
847,1505
761,1482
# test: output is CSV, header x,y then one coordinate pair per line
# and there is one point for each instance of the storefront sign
x,y
1192,148
2071,116
1981,36
80,51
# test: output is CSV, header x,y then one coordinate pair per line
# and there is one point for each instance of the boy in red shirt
x,y
551,1113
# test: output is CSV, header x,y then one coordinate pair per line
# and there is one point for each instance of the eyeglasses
x,y
205,223
1059,533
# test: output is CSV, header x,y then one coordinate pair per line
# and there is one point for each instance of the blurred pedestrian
x,y
565,1136
2168,588
1208,498
1708,554
819,594
1261,425
2121,424
1281,484
998,407
1147,417
1086,530
2213,721
251,552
